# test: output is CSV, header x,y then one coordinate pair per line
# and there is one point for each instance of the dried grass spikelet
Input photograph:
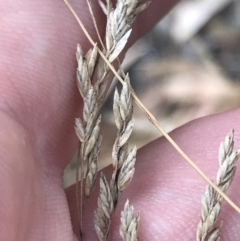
x,y
127,170
88,129
119,21
212,201
123,162
129,223
118,30
104,211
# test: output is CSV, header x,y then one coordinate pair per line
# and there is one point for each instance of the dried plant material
x,y
123,162
93,168
127,170
215,235
210,211
104,211
88,129
119,22
103,6
129,223
117,32
212,201
123,168
118,29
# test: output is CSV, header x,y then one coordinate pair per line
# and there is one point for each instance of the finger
x,y
32,203
167,192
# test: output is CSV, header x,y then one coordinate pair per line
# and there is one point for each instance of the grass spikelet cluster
x,y
211,200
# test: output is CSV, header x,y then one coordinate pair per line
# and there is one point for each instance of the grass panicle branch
x,y
88,129
212,201
123,162
118,29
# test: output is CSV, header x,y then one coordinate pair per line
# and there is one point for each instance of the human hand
x,y
38,105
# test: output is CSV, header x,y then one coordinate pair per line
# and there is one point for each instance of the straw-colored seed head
x,y
212,201
129,223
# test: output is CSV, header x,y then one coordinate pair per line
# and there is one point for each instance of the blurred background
x,y
187,67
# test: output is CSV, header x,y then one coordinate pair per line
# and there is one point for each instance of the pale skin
x,y
38,104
